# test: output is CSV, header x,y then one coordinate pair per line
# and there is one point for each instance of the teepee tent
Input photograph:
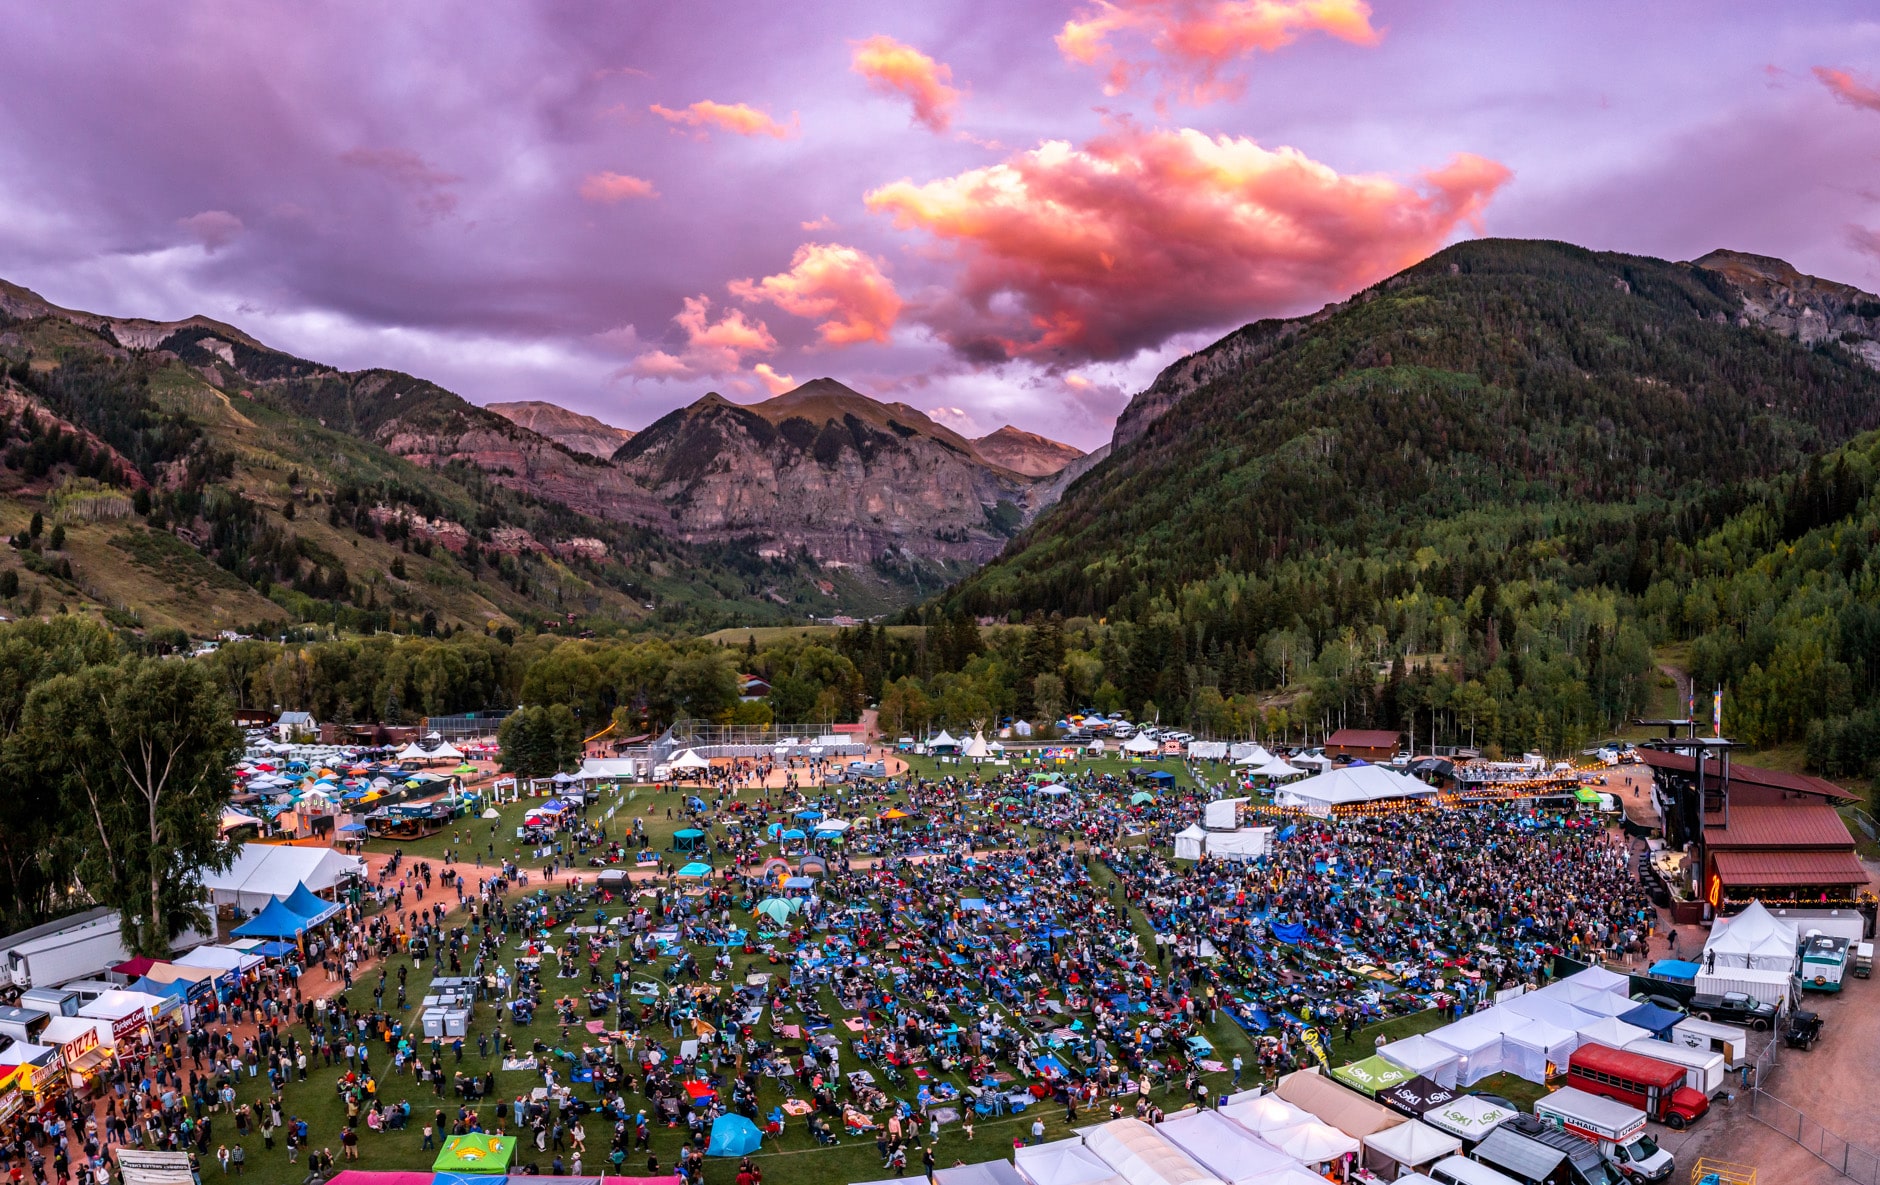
x,y
977,748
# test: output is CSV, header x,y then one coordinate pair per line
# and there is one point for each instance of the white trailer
x,y
1770,987
1836,923
73,948
1730,1041
1707,1071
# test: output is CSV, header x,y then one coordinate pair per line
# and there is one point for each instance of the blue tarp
x,y
274,921
1675,969
1652,1019
733,1135
1289,931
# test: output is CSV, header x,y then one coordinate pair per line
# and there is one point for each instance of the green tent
x,y
1140,797
687,839
1372,1075
776,909
1587,795
475,1154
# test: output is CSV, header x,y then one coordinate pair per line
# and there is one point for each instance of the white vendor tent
x,y
1466,1115
232,818
1610,1030
1141,1156
1227,1149
1095,746
944,741
1408,1145
1251,754
1313,1143
1140,744
605,769
1189,842
1352,784
1266,1113
218,958
445,752
1248,843
1528,1049
1275,768
262,872
689,760
1208,750
1063,1162
1420,1055
1755,939
413,752
1551,1009
1478,1045
1223,814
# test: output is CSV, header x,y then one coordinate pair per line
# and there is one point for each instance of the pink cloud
x,y
428,184
844,287
1849,89
615,187
1190,42
892,67
740,119
823,223
773,382
1864,240
712,348
214,229
1070,253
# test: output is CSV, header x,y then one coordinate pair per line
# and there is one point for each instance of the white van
x,y
1460,1170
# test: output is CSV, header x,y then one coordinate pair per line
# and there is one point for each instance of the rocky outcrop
x,y
1025,452
1180,378
1796,305
581,434
829,471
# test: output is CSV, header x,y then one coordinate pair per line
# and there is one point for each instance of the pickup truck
x,y
1733,1008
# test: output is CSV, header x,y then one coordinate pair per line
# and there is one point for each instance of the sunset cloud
x,y
893,67
1849,89
1068,254
712,348
615,187
773,382
214,229
843,287
1191,42
740,119
428,184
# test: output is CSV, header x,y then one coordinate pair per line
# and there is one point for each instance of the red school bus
x,y
1653,1086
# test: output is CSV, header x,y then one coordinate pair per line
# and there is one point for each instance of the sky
x,y
996,212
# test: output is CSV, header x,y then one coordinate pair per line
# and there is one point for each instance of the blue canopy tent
x,y
178,988
1162,777
276,920
276,950
733,1135
303,902
1653,1019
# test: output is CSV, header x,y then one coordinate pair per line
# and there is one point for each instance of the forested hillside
x,y
1458,501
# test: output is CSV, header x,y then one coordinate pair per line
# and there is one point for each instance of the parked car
x,y
1734,1008
1803,1031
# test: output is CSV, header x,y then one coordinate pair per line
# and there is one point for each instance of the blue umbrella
x,y
733,1135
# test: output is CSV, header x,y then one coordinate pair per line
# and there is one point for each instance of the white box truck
x,y
1707,1071
1730,1041
1619,1131
71,948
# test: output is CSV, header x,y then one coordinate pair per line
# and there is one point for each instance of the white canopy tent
x,y
606,769
413,752
446,752
1409,1145
1140,744
1551,1009
1755,939
1275,768
1266,1113
1251,754
1208,750
1095,747
264,871
1313,1143
1478,1045
232,819
1249,843
1466,1115
1224,1147
1223,814
1190,842
1420,1055
945,740
1063,1162
689,760
1610,1030
1528,1049
1142,1156
1352,784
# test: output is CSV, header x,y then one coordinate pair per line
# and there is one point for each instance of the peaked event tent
x,y
445,752
1410,1144
944,741
276,920
1222,1146
303,902
1755,939
1140,744
1141,1156
1267,1113
1420,1055
262,872
689,760
1063,1162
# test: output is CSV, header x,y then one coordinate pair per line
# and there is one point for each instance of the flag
x,y
1317,1046
1716,712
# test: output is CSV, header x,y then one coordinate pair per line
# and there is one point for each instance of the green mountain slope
x,y
183,476
1496,383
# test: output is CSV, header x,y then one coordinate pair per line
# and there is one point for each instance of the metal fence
x,y
1838,1153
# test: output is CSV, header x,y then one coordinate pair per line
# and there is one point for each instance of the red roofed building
x,y
1370,744
1762,833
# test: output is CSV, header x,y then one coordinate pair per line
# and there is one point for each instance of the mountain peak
x,y
574,431
1026,452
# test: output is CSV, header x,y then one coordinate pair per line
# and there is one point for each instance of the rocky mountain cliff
x,y
827,470
579,433
1807,308
1025,452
